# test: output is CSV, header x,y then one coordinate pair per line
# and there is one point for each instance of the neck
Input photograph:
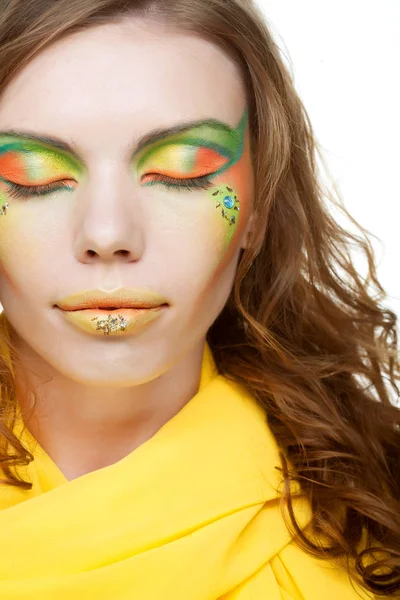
x,y
83,427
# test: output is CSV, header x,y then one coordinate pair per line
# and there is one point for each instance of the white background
x,y
345,60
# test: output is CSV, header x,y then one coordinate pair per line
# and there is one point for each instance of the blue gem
x,y
229,201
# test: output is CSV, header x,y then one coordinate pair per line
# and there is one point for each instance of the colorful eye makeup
x,y
29,169
182,160
186,159
208,157
192,157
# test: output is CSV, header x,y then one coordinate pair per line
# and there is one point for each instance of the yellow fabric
x,y
191,514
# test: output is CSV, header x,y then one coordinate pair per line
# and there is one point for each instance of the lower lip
x,y
124,321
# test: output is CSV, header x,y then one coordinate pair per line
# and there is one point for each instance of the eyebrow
x,y
145,140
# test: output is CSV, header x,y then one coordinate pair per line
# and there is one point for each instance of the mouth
x,y
124,310
113,320
112,300
106,308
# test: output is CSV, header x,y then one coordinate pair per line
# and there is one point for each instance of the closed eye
x,y
191,183
25,191
17,190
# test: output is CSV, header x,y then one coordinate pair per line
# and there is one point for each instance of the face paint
x,y
24,164
182,160
208,149
227,203
190,159
28,170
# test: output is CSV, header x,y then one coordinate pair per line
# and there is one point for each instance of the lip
x,y
121,321
123,311
116,299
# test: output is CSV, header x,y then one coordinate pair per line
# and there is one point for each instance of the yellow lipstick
x,y
118,321
122,311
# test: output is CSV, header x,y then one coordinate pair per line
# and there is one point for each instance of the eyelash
x,y
181,184
24,191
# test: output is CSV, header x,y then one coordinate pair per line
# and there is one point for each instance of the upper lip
x,y
118,298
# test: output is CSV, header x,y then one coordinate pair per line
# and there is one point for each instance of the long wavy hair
x,y
301,328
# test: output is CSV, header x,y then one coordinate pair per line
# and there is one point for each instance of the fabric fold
x,y
191,514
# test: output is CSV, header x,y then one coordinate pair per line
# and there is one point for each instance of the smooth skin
x,y
101,91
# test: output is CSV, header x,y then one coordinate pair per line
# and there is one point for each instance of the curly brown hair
x,y
302,330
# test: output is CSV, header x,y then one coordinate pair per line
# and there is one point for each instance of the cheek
x,y
226,219
21,236
231,200
205,240
205,237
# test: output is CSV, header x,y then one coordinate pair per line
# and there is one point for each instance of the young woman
x,y
194,379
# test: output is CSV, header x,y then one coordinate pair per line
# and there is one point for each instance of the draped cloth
x,y
191,514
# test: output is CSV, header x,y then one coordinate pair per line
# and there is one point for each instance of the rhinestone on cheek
x,y
229,201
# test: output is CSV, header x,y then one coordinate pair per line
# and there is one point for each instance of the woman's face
x,y
151,189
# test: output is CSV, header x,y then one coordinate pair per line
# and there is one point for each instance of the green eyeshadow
x,y
213,135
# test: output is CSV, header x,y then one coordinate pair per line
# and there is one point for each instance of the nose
x,y
109,221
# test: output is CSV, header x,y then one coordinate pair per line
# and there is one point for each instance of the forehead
x,y
118,81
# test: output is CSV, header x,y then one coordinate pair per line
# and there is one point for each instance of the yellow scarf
x,y
192,514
